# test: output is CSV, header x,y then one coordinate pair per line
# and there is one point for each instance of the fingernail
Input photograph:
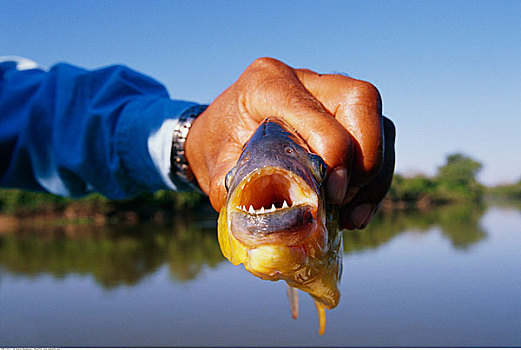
x,y
361,215
337,185
369,218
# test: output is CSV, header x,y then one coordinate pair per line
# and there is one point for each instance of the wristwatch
x,y
179,167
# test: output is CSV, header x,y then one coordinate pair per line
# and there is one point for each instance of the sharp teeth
x,y
284,205
273,207
244,208
261,210
251,210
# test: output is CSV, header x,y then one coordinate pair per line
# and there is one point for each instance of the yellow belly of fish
x,y
266,261
274,262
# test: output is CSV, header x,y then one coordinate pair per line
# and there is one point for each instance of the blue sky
x,y
449,71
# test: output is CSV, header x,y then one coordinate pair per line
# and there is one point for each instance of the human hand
x,y
339,118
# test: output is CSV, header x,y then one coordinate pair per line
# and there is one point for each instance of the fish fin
x,y
293,300
321,309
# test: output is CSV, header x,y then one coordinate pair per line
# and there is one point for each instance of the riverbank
x,y
161,207
407,193
158,207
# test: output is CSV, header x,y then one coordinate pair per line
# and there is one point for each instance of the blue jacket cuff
x,y
143,142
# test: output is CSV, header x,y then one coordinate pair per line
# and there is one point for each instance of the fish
x,y
276,220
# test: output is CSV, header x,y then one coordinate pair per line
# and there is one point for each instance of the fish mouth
x,y
273,206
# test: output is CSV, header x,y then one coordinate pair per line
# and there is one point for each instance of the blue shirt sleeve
x,y
71,131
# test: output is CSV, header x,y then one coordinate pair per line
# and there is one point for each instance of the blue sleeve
x,y
70,131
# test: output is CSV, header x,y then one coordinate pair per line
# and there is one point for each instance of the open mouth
x,y
273,205
272,189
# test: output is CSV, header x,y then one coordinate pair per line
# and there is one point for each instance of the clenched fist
x,y
340,118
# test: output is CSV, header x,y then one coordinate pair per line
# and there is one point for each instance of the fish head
x,y
275,219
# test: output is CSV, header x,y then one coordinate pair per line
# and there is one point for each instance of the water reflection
x,y
124,255
113,255
459,223
84,285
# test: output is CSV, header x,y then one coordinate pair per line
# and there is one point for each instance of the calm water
x,y
449,277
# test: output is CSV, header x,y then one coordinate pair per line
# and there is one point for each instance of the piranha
x,y
276,221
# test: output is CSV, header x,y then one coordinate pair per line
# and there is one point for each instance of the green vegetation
x,y
455,183
159,205
18,201
459,223
457,179
510,191
113,255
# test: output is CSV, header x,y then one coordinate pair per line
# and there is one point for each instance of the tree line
x,y
455,182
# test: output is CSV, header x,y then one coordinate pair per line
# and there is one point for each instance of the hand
x,y
339,118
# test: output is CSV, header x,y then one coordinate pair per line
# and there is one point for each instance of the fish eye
x,y
288,149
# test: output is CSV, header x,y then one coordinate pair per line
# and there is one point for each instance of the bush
x,y
455,182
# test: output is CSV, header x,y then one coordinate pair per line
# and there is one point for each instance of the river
x,y
446,277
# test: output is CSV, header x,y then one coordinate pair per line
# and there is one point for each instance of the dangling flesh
x,y
293,301
321,309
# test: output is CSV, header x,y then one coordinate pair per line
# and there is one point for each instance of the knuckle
x,y
335,148
363,93
265,73
373,167
266,63
342,140
366,90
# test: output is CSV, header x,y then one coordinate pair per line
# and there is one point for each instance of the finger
x,y
357,213
357,106
280,93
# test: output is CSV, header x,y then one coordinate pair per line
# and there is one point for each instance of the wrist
x,y
181,169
